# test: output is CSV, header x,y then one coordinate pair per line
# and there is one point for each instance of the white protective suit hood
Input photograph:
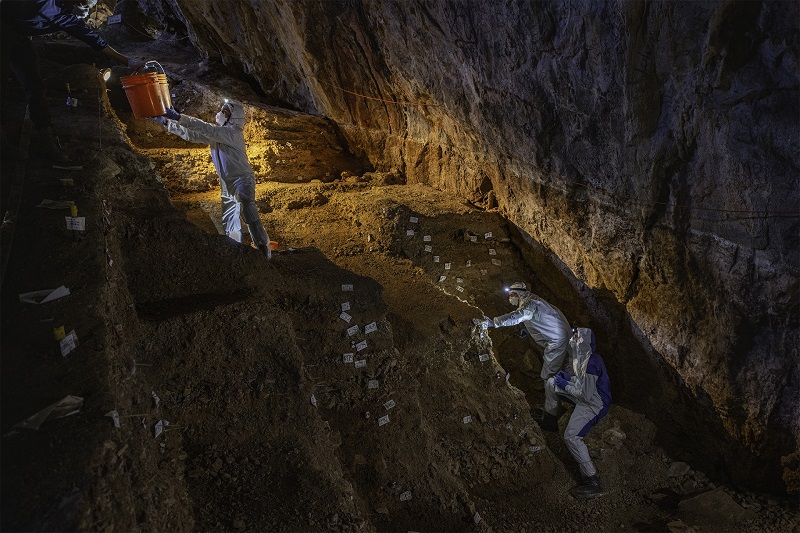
x,y
238,118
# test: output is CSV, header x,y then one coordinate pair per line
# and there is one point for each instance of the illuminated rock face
x,y
643,143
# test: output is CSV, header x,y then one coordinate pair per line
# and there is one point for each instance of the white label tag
x,y
487,235
373,384
442,278
352,330
159,428
68,343
346,306
435,258
467,419
76,223
459,288
428,248
413,220
313,400
409,233
496,262
469,263
447,266
114,19
388,405
535,448
383,420
483,357
114,417
347,288
492,251
405,496
372,326
459,280
347,358
473,238
347,318
477,517
361,363
483,272
361,346
426,238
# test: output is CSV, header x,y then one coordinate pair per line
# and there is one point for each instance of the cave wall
x,y
651,146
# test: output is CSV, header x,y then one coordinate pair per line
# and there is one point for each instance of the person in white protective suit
x,y
589,389
549,329
229,154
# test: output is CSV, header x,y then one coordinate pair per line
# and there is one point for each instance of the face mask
x,y
513,300
221,118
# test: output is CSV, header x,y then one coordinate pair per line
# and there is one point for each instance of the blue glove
x,y
561,383
523,333
171,114
564,374
487,322
160,120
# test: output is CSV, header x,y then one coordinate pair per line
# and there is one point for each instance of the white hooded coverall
x,y
550,329
236,178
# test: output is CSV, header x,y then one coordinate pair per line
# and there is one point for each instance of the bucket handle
x,y
153,64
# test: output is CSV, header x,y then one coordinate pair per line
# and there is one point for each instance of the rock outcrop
x,y
651,146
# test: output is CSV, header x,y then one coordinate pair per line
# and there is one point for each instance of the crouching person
x,y
589,389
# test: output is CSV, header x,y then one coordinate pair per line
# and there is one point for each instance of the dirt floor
x,y
244,403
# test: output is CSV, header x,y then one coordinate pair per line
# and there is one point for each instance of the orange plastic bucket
x,y
163,86
144,92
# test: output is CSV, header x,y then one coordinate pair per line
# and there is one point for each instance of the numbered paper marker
x,y
352,330
361,346
68,343
76,223
373,384
347,288
361,363
426,238
484,357
372,326
467,419
388,405
413,220
383,420
428,248
347,318
347,358
346,306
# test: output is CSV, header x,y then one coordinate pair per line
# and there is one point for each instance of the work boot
x,y
590,489
50,148
549,423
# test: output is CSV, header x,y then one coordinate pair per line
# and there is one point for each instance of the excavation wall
x,y
650,146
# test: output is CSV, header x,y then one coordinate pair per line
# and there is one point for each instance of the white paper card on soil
x,y
405,496
68,343
469,263
477,517
373,384
535,448
76,223
473,238
347,358
383,420
361,346
447,266
442,278
426,238
467,419
459,280
352,330
484,357
114,415
345,306
413,220
435,258
388,405
372,326
492,251
344,316
159,427
496,262
409,233
42,297
347,288
459,288
313,400
156,399
361,363
487,235
428,248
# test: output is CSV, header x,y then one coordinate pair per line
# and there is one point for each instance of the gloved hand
x,y
487,322
561,383
564,374
523,333
160,120
171,114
